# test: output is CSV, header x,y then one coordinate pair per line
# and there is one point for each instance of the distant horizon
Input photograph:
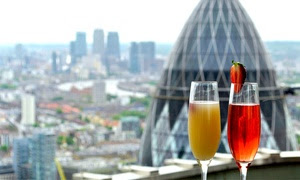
x,y
124,43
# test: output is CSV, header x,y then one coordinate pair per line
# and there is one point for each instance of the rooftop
x,y
268,164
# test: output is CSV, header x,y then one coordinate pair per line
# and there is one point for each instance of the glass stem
x,y
204,168
243,170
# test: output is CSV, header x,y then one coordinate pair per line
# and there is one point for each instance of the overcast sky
x,y
56,21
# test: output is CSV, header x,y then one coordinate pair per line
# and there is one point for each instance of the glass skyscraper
x,y
34,157
134,58
141,56
42,154
217,32
98,42
146,55
113,45
21,159
80,44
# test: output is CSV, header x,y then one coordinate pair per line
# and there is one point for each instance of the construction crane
x,y
60,169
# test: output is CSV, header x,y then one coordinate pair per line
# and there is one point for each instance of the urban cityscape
x,y
89,107
84,101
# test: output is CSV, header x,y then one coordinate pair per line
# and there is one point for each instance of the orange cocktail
x,y
204,127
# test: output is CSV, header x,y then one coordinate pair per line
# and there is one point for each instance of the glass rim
x,y
205,82
247,83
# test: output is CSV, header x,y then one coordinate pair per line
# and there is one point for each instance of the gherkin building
x,y
217,32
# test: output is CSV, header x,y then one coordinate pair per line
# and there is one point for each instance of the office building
x,y
7,172
21,159
134,62
80,44
146,55
98,42
73,52
54,62
20,51
217,32
42,154
141,57
99,95
130,127
6,138
28,109
34,157
113,46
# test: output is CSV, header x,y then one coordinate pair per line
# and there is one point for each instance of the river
x,y
111,87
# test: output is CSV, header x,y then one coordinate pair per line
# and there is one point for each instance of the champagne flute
x,y
204,126
243,131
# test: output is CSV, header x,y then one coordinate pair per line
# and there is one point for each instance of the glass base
x,y
243,167
204,167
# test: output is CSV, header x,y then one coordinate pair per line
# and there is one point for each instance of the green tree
x,y
145,100
109,97
4,148
140,114
57,98
59,110
36,125
60,140
69,140
87,120
116,117
8,86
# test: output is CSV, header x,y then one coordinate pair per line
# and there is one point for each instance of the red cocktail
x,y
243,126
243,131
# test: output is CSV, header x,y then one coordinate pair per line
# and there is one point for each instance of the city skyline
x,y
134,20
